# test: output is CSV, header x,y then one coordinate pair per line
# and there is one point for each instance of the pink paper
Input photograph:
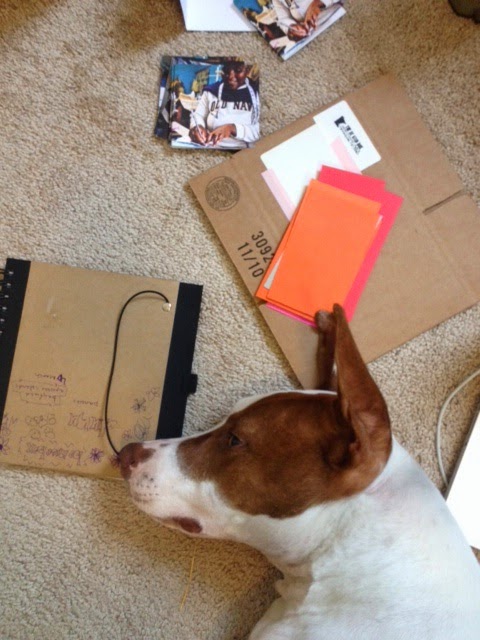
x,y
369,188
354,182
279,193
342,154
289,314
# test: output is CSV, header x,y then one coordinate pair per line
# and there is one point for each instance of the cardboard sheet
x,y
429,266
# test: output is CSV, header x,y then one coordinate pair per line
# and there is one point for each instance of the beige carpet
x,y
83,182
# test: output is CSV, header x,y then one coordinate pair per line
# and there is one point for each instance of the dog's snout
x,y
131,455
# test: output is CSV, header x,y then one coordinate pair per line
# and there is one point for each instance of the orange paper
x,y
323,249
263,289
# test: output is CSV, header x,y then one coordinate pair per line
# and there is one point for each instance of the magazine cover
x,y
214,104
289,25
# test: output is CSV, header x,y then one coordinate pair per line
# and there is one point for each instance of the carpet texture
x,y
83,182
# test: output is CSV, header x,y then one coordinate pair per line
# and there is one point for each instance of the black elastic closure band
x,y
115,345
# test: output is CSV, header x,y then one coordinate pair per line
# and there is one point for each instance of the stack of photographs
x,y
289,25
208,103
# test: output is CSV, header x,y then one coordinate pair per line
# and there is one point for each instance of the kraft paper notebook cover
x,y
429,266
56,349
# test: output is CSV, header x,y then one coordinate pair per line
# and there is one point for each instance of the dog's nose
x,y
131,455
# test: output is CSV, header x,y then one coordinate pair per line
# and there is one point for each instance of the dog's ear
x,y
361,404
326,351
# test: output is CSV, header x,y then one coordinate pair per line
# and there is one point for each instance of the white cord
x,y
440,419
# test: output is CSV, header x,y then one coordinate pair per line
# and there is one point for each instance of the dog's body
x,y
315,481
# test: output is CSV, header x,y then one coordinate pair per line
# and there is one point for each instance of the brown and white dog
x,y
315,481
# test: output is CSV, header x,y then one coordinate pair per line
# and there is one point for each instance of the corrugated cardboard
x,y
429,267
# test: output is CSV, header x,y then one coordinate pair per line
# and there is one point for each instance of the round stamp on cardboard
x,y
222,193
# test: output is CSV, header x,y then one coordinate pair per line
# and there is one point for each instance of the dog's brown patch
x,y
131,455
190,525
293,451
289,451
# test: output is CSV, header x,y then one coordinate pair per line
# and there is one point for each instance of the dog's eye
x,y
234,441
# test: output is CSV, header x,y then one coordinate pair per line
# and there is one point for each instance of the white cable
x,y
440,419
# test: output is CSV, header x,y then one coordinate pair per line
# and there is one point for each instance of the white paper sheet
x,y
337,139
463,497
299,159
340,121
213,15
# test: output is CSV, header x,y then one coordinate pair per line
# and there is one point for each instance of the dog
x,y
315,481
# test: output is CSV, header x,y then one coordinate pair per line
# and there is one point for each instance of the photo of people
x,y
288,25
167,88
218,106
210,103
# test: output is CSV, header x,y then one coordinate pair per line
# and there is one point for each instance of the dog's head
x,y
274,457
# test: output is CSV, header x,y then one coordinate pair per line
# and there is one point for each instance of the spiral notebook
x,y
57,335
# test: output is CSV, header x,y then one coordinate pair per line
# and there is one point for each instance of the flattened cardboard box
x,y
429,267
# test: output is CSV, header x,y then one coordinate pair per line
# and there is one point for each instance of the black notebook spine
x,y
13,285
179,379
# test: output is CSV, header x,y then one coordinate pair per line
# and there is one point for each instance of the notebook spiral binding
x,y
6,276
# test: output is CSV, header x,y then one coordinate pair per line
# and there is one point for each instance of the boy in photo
x,y
228,111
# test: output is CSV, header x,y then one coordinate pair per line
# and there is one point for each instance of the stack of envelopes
x,y
331,245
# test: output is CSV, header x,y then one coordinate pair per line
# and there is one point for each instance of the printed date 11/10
x,y
257,252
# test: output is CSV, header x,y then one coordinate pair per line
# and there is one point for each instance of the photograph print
x,y
289,25
214,104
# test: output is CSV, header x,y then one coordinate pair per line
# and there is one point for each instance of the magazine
x,y
289,25
208,103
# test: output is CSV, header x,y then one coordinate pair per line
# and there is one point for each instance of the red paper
x,y
390,205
